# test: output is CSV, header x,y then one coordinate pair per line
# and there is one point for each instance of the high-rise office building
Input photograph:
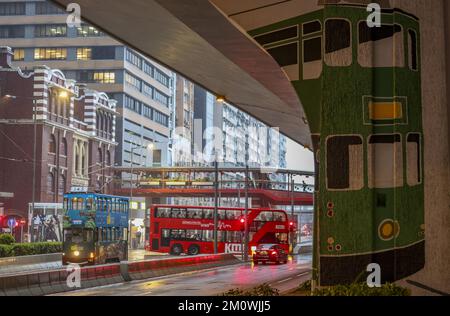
x,y
38,33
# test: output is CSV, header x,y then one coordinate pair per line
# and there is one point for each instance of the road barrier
x,y
55,281
35,259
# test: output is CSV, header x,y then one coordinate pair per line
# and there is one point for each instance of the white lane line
x,y
304,273
285,280
144,293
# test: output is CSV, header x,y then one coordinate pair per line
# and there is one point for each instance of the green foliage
x,y
261,290
305,286
7,239
28,249
5,251
361,289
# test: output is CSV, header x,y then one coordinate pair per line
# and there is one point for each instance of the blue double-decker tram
x,y
95,228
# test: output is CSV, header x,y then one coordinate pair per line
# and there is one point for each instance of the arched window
x,y
77,159
100,155
83,160
100,116
52,144
62,185
97,121
51,183
63,147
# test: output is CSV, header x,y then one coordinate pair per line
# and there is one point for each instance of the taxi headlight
x,y
76,253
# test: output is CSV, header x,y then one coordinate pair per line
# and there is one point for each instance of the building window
x,y
161,97
108,158
51,183
62,185
147,111
345,163
47,8
146,89
160,118
63,150
338,50
133,81
132,104
12,8
385,161
148,68
161,77
84,53
83,160
88,31
133,58
52,144
103,52
19,54
77,159
91,76
100,156
53,30
50,53
12,31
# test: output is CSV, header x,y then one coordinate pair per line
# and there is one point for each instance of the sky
x,y
299,158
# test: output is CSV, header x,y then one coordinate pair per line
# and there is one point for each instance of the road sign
x,y
12,223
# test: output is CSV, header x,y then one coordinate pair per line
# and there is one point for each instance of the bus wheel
x,y
176,250
194,250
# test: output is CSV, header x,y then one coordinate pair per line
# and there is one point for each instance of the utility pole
x,y
216,202
246,216
33,194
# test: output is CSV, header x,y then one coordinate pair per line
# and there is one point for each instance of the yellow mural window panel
x,y
385,110
385,161
347,172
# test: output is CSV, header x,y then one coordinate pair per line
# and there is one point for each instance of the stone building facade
x,y
73,129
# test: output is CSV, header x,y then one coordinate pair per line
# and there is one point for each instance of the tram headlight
x,y
91,255
76,253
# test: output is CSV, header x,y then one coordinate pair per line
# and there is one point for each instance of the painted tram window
x,y
385,161
380,46
338,48
345,173
413,54
414,161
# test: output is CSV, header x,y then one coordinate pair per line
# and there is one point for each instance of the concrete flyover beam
x,y
195,39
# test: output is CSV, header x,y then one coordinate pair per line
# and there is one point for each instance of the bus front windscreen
x,y
78,235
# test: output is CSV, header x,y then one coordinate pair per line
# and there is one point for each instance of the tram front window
x,y
78,235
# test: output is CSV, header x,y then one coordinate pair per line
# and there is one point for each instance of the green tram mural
x,y
361,91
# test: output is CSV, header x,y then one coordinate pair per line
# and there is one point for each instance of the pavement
x,y
133,255
211,282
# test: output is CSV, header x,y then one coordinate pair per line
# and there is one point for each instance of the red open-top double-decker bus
x,y
190,229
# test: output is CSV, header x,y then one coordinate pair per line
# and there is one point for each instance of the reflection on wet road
x,y
213,281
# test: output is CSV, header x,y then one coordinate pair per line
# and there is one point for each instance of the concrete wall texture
x,y
435,105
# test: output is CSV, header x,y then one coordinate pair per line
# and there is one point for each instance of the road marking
x,y
284,280
304,273
143,294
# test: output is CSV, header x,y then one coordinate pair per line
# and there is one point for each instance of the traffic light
x,y
291,226
242,223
